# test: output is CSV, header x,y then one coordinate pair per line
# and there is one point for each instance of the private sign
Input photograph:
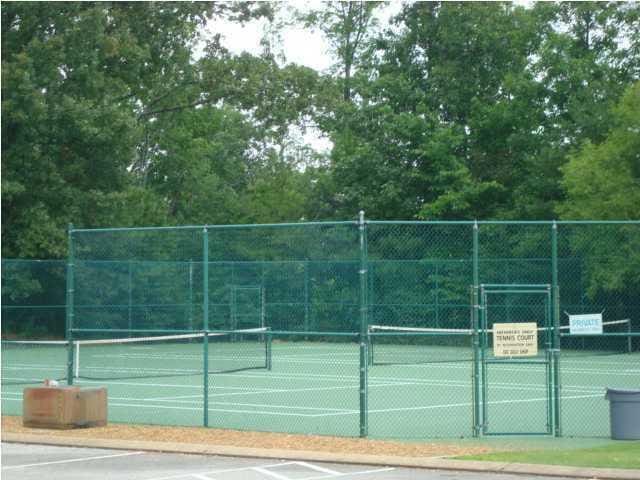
x,y
515,339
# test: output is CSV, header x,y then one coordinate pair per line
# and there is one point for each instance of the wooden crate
x,y
64,407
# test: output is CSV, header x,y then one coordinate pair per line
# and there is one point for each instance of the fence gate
x,y
516,355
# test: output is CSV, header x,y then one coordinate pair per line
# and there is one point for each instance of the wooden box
x,y
64,407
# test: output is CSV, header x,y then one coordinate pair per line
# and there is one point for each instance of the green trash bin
x,y
624,409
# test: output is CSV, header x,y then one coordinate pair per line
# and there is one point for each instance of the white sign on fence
x,y
515,339
588,323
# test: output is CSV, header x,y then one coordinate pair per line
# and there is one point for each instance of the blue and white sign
x,y
586,324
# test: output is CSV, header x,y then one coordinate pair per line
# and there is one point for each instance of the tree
x,y
588,54
82,86
602,180
470,110
348,27
418,130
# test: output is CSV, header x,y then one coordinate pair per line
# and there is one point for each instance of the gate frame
x,y
550,360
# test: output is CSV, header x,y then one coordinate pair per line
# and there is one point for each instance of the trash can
x,y
624,407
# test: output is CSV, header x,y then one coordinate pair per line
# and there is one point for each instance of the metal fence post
x,y
306,296
263,298
364,328
477,424
555,311
190,295
130,298
205,321
70,306
232,299
437,288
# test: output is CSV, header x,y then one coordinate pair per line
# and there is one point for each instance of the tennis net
x,y
28,362
414,345
32,361
390,345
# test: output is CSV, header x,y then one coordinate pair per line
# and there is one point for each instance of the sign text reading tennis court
x,y
515,339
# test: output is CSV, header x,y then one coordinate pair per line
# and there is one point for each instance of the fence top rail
x,y
503,222
213,227
61,261
370,222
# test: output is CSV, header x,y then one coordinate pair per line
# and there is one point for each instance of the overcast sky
x,y
299,45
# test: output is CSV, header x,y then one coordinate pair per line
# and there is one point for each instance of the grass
x,y
617,455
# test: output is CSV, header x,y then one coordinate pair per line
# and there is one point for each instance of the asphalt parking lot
x,y
25,462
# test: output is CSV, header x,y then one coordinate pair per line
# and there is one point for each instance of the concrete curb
x,y
303,455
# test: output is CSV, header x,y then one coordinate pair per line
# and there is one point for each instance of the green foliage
x,y
455,111
603,180
73,77
470,110
348,28
84,88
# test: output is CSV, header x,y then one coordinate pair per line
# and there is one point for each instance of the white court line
x,y
270,405
275,390
194,409
349,379
353,354
447,366
222,410
445,383
168,398
308,389
467,404
342,379
294,390
269,473
341,413
511,387
85,459
372,383
200,477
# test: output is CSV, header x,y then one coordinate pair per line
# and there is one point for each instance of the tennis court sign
x,y
515,339
585,324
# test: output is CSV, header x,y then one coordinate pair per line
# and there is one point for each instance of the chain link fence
x,y
354,328
33,299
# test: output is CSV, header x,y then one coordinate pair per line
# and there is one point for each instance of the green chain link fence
x,y
342,328
33,299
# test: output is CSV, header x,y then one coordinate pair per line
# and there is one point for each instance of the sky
x,y
299,45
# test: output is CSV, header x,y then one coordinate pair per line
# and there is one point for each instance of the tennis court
x,y
313,386
359,328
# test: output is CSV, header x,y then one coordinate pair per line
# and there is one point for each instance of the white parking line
x,y
215,472
85,459
318,468
349,474
269,473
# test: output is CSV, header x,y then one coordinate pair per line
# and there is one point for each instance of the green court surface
x,y
314,387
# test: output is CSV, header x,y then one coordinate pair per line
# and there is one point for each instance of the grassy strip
x,y
617,455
